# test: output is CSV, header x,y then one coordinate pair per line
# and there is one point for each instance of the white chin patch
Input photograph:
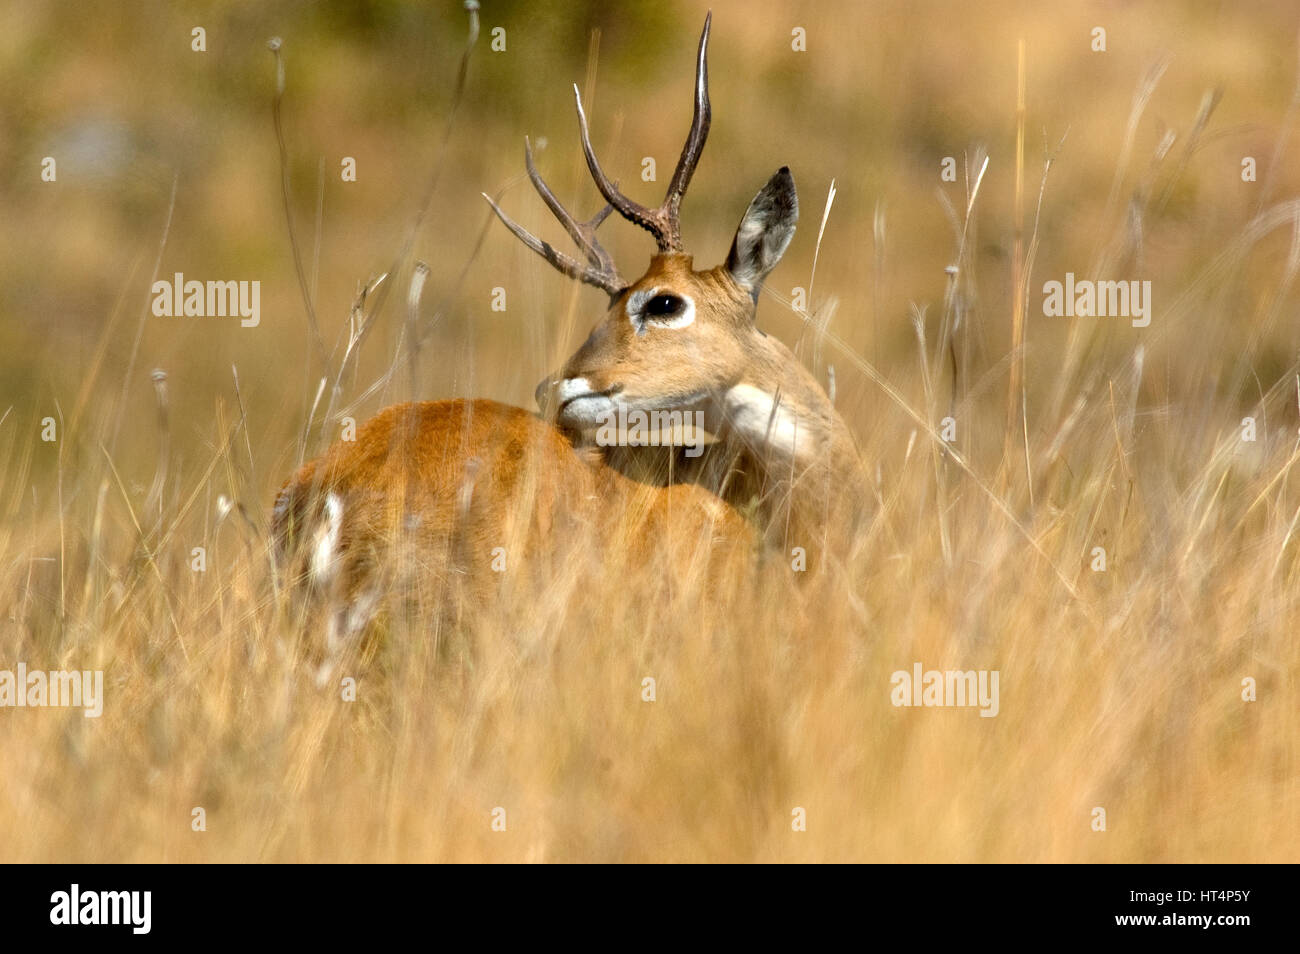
x,y
587,411
580,406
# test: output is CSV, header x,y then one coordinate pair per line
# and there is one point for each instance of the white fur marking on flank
x,y
326,542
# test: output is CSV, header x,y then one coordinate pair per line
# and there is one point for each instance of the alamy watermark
x,y
75,906
56,688
950,688
179,298
624,427
1089,299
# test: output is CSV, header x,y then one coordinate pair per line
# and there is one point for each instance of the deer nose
x,y
545,392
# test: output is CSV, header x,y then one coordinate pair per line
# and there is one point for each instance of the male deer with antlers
x,y
456,479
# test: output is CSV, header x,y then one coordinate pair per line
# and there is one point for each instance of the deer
x,y
768,464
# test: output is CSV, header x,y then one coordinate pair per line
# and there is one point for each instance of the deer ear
x,y
764,232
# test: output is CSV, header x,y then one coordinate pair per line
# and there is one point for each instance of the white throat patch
x,y
761,421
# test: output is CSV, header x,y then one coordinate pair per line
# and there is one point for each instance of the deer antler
x,y
663,222
601,271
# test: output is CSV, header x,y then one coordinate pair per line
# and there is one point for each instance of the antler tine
x,y
635,212
583,233
606,279
662,222
700,121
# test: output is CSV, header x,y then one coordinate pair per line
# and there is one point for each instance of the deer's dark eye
x,y
664,306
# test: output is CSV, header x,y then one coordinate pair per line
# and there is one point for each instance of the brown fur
x,y
429,491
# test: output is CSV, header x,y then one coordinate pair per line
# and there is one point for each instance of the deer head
x,y
677,339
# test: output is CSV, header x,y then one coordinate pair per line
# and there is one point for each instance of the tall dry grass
x,y
1120,689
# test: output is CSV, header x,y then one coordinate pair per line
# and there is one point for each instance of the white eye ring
x,y
637,301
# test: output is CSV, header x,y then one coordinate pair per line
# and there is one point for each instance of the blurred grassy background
x,y
884,92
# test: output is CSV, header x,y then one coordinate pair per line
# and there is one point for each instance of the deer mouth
x,y
585,410
614,407
581,406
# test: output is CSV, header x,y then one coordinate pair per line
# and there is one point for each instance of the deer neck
x,y
783,455
801,461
